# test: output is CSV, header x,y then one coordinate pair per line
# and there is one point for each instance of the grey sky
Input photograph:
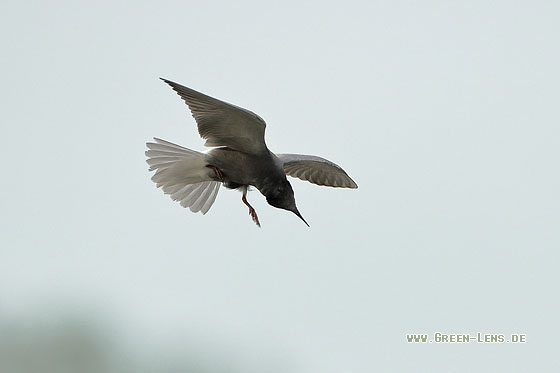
x,y
444,113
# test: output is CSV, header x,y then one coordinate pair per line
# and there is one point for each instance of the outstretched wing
x,y
316,170
223,124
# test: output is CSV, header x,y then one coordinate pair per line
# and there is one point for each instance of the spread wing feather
x,y
316,170
223,124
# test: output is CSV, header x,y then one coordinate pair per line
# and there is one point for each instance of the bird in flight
x,y
239,158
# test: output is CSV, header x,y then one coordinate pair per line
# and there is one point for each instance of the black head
x,y
281,195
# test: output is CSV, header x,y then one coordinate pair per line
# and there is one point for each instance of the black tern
x,y
238,159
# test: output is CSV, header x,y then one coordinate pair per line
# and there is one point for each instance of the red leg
x,y
252,211
217,172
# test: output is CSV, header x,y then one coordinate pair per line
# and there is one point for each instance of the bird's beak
x,y
299,215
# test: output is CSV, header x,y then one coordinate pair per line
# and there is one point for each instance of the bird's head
x,y
281,195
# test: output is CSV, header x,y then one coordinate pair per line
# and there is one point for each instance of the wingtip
x,y
352,183
175,86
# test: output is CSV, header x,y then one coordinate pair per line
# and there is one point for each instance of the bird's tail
x,y
182,173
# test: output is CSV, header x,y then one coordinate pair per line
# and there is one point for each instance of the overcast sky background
x,y
446,114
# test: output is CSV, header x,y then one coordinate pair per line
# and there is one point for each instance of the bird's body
x,y
240,168
239,159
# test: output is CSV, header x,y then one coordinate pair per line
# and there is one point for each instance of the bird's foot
x,y
252,211
253,214
217,172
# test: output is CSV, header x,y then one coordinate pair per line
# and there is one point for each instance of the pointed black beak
x,y
299,215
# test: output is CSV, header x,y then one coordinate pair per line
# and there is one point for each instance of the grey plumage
x,y
239,158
